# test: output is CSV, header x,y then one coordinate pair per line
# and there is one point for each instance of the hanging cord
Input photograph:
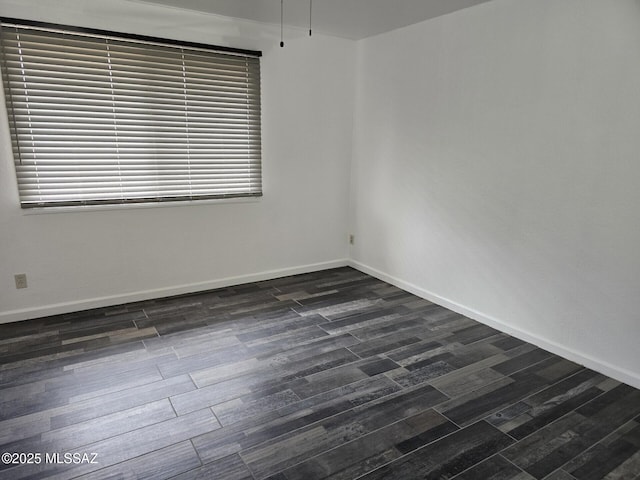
x,y
281,23
310,12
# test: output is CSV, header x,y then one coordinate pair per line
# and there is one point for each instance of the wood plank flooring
x,y
332,374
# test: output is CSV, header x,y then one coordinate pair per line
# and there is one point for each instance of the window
x,y
98,117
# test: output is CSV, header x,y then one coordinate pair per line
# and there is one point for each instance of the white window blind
x,y
97,118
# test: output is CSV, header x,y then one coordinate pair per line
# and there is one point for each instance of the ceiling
x,y
355,19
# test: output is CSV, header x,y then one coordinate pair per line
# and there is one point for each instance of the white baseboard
x,y
68,307
606,368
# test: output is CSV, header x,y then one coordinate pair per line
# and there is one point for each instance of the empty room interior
x,y
294,239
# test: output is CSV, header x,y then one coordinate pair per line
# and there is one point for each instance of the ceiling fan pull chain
x,y
281,23
310,11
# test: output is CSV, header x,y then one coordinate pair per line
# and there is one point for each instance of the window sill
x,y
131,206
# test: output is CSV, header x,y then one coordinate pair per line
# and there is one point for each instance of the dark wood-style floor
x,y
326,375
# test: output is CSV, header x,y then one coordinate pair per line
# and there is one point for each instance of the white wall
x,y
91,258
496,170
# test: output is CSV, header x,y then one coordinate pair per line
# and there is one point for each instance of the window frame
x,y
109,203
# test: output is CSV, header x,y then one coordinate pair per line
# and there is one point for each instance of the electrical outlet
x,y
352,239
21,280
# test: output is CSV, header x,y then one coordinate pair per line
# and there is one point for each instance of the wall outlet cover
x,y
21,280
